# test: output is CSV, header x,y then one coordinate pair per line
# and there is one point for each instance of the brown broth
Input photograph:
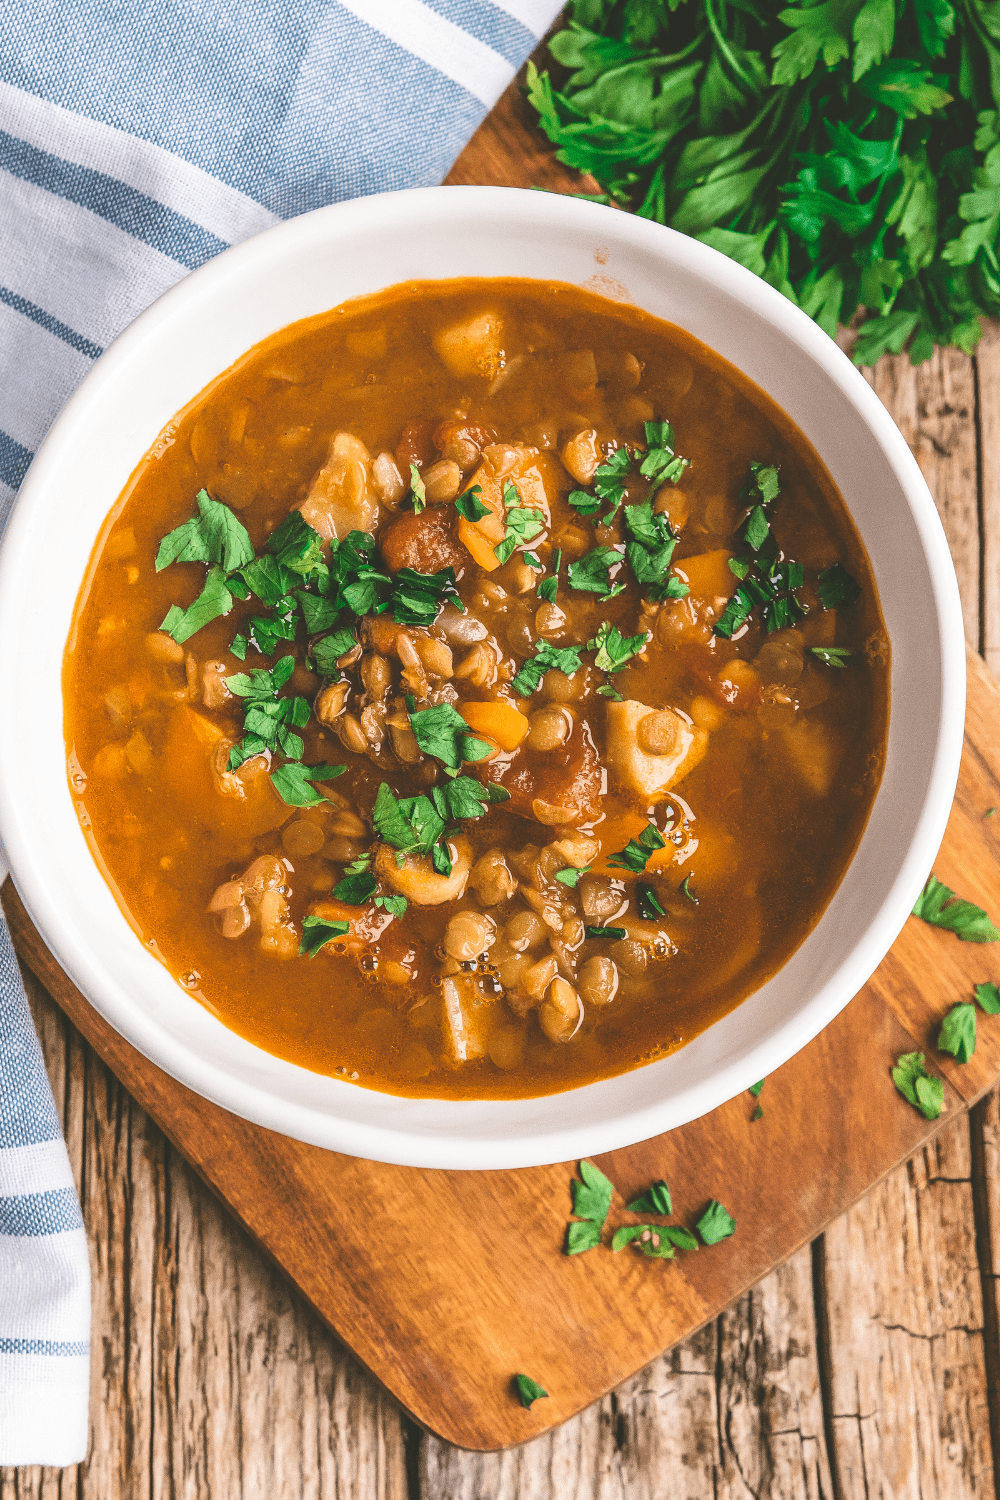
x,y
776,806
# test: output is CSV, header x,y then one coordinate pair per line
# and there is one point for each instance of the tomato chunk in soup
x,y
477,691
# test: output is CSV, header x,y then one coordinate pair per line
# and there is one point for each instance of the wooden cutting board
x,y
446,1284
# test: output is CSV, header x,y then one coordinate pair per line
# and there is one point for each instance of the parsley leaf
x,y
615,650
835,586
317,932
831,656
592,572
523,523
216,535
715,1224
547,658
214,601
958,1032
940,907
615,934
570,876
762,484
549,587
529,1390
661,465
655,1200
645,900
637,851
470,506
356,887
292,782
989,998
913,1081
442,732
591,1202
755,1088
417,490
689,893
297,547
416,598
327,652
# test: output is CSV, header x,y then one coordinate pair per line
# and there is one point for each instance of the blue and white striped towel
x,y
136,142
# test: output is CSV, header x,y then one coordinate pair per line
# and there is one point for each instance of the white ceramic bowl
x,y
303,267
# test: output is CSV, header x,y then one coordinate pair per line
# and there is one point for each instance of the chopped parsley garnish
x,y
989,812
836,586
297,546
327,651
661,465
591,1202
609,483
416,598
317,932
533,561
394,905
989,998
941,907
649,907
523,523
831,656
549,587
417,490
359,585
656,1200
762,484
756,528
587,505
740,566
570,876
715,1224
688,892
615,650
214,601
637,851
215,535
913,1081
607,691
415,825
292,782
615,934
528,1390
592,572
547,658
958,1032
651,550
356,886
470,506
269,721
442,732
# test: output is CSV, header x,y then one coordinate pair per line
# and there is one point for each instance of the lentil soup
x,y
477,691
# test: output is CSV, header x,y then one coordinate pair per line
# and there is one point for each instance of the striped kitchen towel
x,y
136,142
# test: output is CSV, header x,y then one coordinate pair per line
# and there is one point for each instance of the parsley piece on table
x,y
317,932
591,1202
292,782
215,535
755,1088
836,586
715,1224
214,601
528,1390
958,1032
636,853
547,657
442,732
549,587
656,1241
941,907
523,523
417,490
989,998
913,1081
660,464
645,900
570,876
592,572
831,656
615,650
689,893
655,1200
470,506
989,812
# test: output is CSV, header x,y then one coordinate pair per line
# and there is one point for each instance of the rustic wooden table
x,y
866,1366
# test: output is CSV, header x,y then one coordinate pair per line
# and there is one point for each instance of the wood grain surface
x,y
866,1364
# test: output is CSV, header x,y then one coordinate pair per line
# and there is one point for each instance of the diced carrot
x,y
709,574
501,721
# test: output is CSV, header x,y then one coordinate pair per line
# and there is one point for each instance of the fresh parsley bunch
x,y
847,151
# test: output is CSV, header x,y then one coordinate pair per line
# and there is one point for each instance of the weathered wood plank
x,y
211,1379
908,1378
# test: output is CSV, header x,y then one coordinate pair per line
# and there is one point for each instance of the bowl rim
x,y
388,1142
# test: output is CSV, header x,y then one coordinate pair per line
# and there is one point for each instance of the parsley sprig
x,y
940,906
